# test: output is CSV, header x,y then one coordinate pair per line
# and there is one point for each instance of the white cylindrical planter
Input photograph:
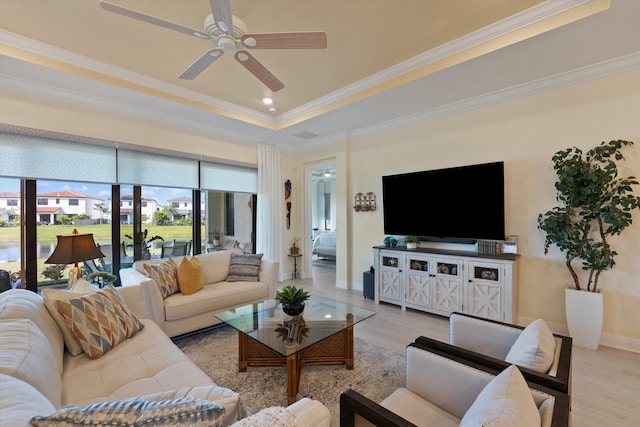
x,y
584,317
412,245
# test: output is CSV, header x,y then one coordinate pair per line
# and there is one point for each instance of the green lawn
x,y
101,232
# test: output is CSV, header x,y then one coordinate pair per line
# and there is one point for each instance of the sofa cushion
x,y
26,355
190,279
20,401
244,268
99,320
50,295
215,266
213,298
505,401
165,274
24,304
534,348
185,412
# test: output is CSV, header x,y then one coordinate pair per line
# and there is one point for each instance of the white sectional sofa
x,y
178,313
38,375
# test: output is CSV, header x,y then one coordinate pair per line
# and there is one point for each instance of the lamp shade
x,y
73,248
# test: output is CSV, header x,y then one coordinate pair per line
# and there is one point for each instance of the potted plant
x,y
292,299
412,242
216,236
144,242
102,278
594,204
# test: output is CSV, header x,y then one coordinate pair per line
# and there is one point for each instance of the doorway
x,y
321,225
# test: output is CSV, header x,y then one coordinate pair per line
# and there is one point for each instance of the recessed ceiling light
x,y
267,101
273,109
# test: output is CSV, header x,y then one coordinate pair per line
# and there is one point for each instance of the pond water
x,y
10,252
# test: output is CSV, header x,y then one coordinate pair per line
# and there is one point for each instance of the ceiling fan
x,y
229,36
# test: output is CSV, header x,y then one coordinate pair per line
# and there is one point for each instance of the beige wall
x,y
524,134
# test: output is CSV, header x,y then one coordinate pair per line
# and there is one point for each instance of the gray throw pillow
x,y
244,268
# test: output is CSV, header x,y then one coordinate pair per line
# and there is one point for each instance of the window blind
x,y
228,178
140,168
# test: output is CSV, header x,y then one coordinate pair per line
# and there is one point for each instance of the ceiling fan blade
x,y
258,70
110,7
203,62
303,40
221,10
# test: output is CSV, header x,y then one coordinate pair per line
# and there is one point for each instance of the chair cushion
x,y
51,295
244,268
185,412
190,278
505,401
165,274
534,348
417,410
26,354
99,320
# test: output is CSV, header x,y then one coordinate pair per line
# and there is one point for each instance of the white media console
x,y
443,281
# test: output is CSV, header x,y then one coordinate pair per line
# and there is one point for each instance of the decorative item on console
x,y
412,242
390,242
364,202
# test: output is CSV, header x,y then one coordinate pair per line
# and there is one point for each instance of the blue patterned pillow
x,y
185,412
244,268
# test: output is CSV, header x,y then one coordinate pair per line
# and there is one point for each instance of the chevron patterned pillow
x,y
99,320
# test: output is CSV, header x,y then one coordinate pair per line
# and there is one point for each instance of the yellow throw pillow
x,y
190,278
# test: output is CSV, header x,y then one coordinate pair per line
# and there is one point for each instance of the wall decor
x,y
364,202
287,200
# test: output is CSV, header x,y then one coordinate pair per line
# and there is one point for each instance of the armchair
x,y
488,342
442,389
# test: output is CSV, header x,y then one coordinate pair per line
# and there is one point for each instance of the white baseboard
x,y
609,340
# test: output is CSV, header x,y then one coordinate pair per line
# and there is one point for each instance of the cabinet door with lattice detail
x,y
485,290
390,286
447,291
418,281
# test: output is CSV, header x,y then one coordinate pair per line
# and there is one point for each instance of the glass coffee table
x,y
321,335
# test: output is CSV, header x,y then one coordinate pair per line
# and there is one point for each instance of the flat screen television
x,y
460,204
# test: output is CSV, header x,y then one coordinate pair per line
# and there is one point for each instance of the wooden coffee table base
x,y
336,349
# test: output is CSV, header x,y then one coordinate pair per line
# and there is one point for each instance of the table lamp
x,y
73,248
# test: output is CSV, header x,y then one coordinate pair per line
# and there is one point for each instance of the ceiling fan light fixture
x,y
226,43
250,42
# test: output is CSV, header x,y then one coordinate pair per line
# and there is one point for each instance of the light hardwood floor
x,y
606,382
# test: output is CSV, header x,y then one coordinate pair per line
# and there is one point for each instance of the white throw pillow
x,y
505,401
534,348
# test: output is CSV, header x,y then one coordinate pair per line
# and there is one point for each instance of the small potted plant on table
x,y
292,299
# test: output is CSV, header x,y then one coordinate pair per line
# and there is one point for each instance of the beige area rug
x,y
376,374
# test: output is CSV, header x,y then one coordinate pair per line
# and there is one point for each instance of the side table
x,y
296,273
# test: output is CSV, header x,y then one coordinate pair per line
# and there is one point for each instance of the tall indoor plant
x,y
594,204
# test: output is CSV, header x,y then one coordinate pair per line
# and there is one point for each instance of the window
x,y
57,201
176,204
43,202
10,257
144,203
74,202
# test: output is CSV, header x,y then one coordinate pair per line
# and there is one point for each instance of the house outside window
x,y
73,202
